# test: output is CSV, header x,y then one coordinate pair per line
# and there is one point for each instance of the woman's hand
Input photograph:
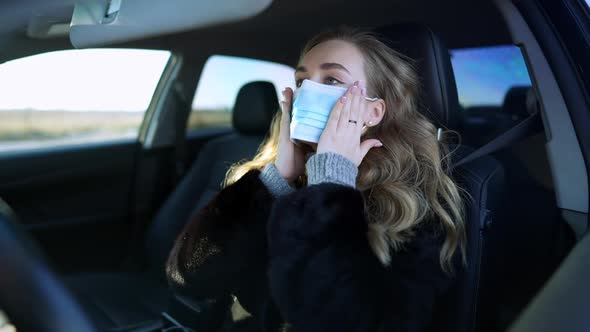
x,y
343,131
290,160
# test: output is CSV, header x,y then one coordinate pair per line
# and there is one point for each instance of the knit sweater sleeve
x,y
274,182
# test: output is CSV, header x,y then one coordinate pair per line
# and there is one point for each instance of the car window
x,y
220,81
76,96
484,75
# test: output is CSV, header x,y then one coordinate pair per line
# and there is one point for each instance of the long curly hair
x,y
404,183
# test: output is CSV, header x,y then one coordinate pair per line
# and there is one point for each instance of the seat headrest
x,y
519,101
255,106
433,65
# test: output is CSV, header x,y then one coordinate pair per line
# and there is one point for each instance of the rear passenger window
x,y
222,78
484,75
494,91
76,96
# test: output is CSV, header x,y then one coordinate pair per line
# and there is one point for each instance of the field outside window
x,y
76,96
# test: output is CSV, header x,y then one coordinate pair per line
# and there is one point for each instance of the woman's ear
x,y
375,112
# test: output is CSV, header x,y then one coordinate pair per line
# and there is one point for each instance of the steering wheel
x,y
30,294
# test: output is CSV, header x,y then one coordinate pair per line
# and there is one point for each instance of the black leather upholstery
x,y
461,309
126,301
482,178
433,64
30,294
197,187
519,102
255,106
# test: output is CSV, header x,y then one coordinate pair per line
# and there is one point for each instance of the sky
x,y
82,80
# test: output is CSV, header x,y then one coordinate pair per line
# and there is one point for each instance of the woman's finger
x,y
364,105
361,116
357,100
355,110
332,123
345,113
367,145
286,113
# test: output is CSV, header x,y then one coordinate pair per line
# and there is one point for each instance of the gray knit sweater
x,y
324,167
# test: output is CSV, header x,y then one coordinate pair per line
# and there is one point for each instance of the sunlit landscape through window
x,y
76,96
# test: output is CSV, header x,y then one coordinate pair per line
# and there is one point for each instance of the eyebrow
x,y
325,66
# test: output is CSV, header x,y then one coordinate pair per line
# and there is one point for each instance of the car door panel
x,y
74,200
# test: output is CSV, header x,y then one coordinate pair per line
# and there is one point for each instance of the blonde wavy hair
x,y
404,183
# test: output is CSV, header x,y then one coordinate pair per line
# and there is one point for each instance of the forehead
x,y
336,51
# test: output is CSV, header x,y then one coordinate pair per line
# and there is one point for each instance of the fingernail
x,y
364,92
357,83
379,144
343,99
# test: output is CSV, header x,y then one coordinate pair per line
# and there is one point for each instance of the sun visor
x,y
101,22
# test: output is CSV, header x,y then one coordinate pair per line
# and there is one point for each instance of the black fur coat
x,y
306,256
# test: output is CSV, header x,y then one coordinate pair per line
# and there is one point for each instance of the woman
x,y
362,235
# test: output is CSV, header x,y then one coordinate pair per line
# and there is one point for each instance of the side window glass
x,y
76,96
485,75
220,81
494,90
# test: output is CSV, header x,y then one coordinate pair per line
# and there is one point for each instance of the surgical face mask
x,y
312,105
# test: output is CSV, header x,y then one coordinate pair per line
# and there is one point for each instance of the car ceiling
x,y
278,32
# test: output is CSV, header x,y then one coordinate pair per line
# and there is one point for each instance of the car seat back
x,y
254,109
481,179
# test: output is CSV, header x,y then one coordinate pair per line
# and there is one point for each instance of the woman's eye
x,y
332,81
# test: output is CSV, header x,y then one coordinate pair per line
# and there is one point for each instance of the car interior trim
x,y
149,127
563,149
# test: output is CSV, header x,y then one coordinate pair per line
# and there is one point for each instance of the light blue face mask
x,y
311,109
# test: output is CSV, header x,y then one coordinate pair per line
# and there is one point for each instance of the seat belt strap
x,y
524,129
